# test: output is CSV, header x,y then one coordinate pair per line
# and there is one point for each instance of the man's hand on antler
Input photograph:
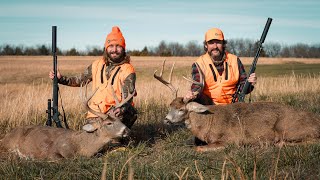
x,y
117,111
190,96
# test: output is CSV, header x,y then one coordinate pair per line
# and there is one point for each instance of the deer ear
x,y
196,107
90,127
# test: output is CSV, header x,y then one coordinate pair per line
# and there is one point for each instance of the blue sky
x,y
147,22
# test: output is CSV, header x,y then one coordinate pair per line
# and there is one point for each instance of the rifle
x,y
241,95
52,111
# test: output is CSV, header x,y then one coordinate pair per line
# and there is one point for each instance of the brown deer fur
x,y
43,142
244,123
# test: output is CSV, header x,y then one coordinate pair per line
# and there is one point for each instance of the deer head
x,y
108,127
108,123
180,107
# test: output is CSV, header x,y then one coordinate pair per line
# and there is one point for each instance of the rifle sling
x,y
64,113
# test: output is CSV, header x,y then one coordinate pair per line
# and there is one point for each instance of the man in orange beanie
x,y
221,71
113,76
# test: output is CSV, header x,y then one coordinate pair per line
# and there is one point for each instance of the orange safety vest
x,y
219,88
103,99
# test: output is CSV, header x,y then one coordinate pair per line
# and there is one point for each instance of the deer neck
x,y
91,143
195,124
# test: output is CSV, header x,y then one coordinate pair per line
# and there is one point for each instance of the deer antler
x,y
99,114
118,104
201,83
167,83
124,100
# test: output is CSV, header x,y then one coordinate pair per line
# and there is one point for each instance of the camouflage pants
x,y
129,116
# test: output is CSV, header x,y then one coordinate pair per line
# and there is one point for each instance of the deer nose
x,y
167,121
126,132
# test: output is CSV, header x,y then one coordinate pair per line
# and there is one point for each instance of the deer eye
x,y
181,111
108,123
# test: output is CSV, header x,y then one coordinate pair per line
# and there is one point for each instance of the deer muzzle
x,y
126,132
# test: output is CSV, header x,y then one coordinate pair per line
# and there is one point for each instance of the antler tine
x,y
162,68
170,75
124,100
201,83
167,83
99,114
114,95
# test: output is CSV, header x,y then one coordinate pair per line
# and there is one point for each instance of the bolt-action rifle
x,y
239,96
52,111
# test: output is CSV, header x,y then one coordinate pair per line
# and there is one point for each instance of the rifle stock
x,y
241,95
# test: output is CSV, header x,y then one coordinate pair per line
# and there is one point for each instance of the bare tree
x,y
272,49
193,49
176,49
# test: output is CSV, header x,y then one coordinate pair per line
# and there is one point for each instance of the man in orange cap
x,y
114,70
222,73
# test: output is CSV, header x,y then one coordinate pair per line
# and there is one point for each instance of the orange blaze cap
x,y
115,37
214,33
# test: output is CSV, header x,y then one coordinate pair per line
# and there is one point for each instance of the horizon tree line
x,y
239,47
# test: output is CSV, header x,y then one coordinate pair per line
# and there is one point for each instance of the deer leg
x,y
280,144
210,147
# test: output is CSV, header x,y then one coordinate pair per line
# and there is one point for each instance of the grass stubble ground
x,y
156,151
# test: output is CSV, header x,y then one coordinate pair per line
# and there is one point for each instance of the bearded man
x,y
222,72
112,69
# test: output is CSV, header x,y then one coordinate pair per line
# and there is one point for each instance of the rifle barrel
x,y
241,95
54,39
265,31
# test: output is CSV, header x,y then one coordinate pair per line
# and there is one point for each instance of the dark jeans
x,y
204,99
129,116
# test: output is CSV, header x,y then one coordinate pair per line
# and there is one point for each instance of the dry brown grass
x,y
25,86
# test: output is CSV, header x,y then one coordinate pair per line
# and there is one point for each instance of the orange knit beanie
x,y
115,38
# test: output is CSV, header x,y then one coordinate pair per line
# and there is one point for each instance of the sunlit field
x,y
156,151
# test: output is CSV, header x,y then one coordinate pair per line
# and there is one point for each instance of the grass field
x,y
156,151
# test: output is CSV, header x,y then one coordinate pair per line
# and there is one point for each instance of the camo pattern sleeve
x,y
77,81
129,84
196,77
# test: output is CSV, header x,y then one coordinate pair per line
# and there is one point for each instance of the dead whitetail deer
x,y
241,123
44,142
